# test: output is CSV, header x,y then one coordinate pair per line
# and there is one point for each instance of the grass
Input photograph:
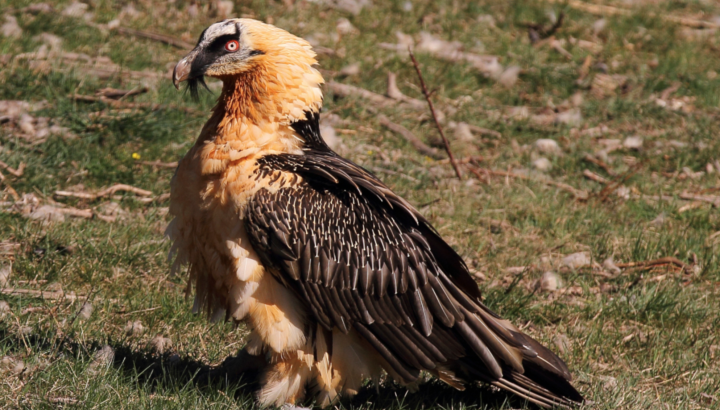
x,y
637,340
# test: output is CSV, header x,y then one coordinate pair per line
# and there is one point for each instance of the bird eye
x,y
232,45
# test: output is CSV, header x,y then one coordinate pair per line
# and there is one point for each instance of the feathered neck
x,y
257,108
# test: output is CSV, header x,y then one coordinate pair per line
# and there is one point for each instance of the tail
x,y
501,355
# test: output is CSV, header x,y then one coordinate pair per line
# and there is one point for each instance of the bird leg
x,y
283,381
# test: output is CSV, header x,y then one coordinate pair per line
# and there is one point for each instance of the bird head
x,y
264,69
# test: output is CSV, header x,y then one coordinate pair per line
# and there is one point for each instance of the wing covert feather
x,y
362,259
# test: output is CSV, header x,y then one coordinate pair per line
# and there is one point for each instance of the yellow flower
x,y
135,155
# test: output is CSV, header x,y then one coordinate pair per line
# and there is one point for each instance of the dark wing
x,y
324,168
362,258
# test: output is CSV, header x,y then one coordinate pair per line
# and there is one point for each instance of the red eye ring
x,y
232,45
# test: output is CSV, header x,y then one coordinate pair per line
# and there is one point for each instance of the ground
x,y
627,95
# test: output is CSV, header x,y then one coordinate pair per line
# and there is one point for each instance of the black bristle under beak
x,y
193,87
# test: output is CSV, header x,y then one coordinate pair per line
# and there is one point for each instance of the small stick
x,y
558,23
394,92
159,164
63,400
350,90
484,131
16,172
157,37
47,295
420,146
599,9
462,161
579,194
116,94
432,110
391,172
106,192
124,104
482,178
713,199
537,32
595,177
610,188
79,213
668,260
140,311
666,93
591,159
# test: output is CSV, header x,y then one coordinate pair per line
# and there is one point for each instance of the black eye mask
x,y
212,52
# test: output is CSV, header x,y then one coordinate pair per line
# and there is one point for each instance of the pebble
x,y
576,260
550,281
547,146
635,142
85,311
542,164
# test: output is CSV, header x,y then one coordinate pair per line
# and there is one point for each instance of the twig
x,y
436,200
462,161
124,104
85,213
577,193
666,93
16,172
488,65
63,400
47,295
350,90
668,260
484,131
601,164
394,92
537,31
106,192
8,248
391,172
79,213
599,9
420,146
482,178
91,295
595,177
555,44
610,188
140,311
434,115
713,199
161,198
32,9
159,164
690,206
116,94
157,37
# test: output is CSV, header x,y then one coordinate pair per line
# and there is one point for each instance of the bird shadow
x,y
240,374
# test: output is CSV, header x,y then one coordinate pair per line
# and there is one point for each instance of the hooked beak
x,y
182,70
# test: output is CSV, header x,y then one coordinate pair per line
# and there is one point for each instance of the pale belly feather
x,y
230,281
